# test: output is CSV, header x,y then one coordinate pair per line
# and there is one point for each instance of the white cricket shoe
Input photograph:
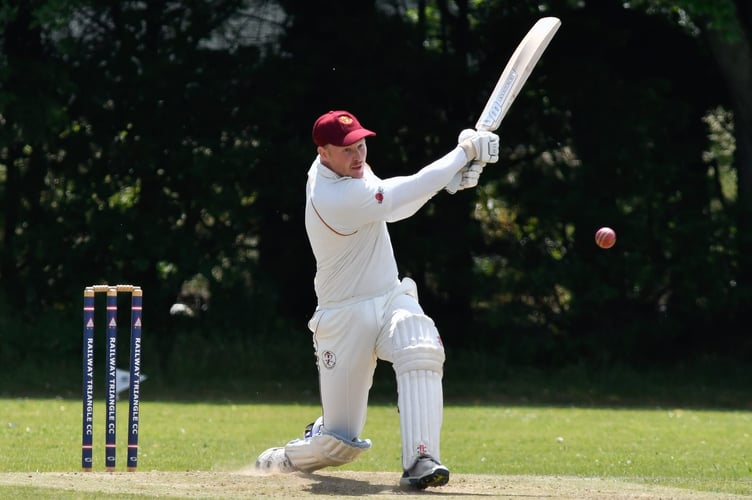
x,y
426,472
274,461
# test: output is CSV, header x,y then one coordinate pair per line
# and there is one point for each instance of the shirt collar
x,y
324,170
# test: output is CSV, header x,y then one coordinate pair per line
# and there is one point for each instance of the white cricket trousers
x,y
348,340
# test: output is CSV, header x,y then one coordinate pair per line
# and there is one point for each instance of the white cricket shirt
x,y
346,220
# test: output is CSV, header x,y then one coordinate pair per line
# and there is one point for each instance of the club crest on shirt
x,y
328,359
379,195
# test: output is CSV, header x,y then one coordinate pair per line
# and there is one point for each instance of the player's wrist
x,y
468,148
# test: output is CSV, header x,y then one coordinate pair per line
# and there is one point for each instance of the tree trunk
x,y
734,58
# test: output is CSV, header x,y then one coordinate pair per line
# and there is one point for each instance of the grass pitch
x,y
192,449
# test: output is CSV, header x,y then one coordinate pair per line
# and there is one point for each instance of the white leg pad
x,y
323,450
419,366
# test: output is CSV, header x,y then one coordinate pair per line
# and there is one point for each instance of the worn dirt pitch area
x,y
336,483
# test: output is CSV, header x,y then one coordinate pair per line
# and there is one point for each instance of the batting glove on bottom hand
x,y
467,177
480,145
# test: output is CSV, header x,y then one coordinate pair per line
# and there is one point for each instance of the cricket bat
x,y
513,78
516,72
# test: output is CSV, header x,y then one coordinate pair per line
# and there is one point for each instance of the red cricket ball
x,y
605,237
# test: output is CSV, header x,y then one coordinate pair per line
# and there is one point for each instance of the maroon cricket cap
x,y
339,128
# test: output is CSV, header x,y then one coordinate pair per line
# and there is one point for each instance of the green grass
x,y
706,450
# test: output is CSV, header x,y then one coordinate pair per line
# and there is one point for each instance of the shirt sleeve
x,y
371,199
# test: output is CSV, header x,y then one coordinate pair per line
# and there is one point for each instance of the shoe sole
x,y
437,477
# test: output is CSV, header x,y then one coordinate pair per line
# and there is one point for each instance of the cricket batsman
x,y
365,312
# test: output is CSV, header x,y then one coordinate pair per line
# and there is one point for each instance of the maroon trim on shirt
x,y
327,225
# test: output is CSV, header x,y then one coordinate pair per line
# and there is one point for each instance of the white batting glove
x,y
467,177
480,145
471,176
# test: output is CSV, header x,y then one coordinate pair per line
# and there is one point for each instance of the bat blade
x,y
516,72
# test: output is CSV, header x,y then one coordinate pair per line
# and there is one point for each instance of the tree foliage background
x,y
165,143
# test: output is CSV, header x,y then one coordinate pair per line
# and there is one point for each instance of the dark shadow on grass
x,y
335,486
328,485
699,386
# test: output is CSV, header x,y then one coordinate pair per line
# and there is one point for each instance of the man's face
x,y
347,161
